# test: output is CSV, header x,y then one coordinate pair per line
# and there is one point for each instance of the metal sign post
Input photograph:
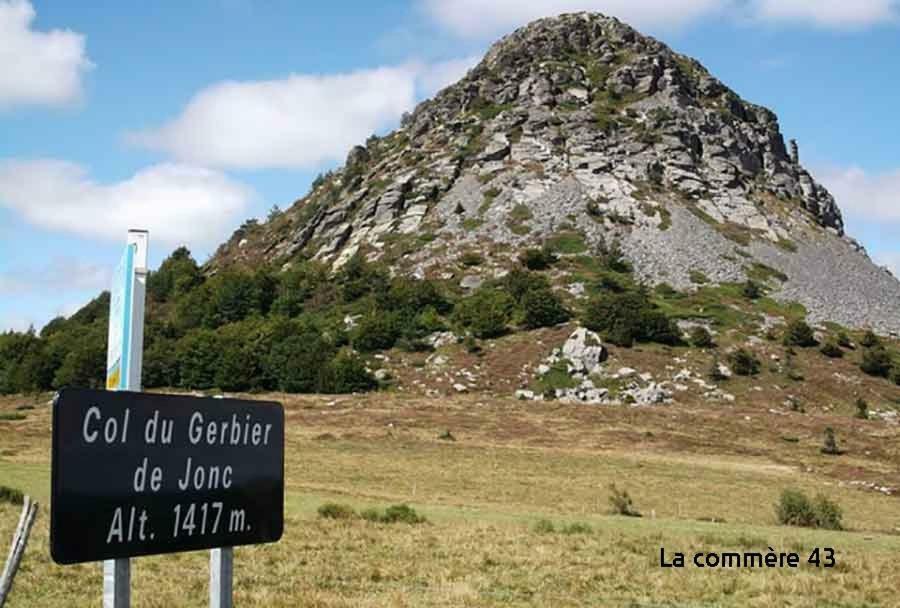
x,y
221,571
179,473
124,359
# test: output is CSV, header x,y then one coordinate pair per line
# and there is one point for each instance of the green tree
x,y
177,275
85,364
486,313
799,333
233,296
346,373
629,317
543,308
295,362
876,361
198,359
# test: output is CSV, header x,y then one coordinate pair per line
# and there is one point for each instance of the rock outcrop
x,y
582,128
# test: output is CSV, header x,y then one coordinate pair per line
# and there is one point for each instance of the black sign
x,y
139,474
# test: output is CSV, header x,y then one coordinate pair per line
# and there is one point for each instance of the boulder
x,y
584,351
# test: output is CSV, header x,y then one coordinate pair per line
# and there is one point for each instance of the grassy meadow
x,y
501,499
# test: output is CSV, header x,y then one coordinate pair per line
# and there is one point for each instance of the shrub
x,y
621,502
876,361
485,313
701,338
629,317
895,376
346,373
751,290
577,527
829,445
333,510
393,514
799,333
446,436
829,514
544,526
843,340
832,350
471,258
543,308
11,495
790,366
295,363
743,362
862,409
870,339
794,508
612,258
538,259
376,331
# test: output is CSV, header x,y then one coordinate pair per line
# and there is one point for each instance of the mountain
x,y
580,129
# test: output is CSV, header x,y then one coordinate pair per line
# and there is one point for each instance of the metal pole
x,y
221,572
117,572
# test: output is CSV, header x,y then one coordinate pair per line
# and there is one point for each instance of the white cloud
x,y
176,203
479,19
871,206
300,121
827,13
865,196
62,273
43,68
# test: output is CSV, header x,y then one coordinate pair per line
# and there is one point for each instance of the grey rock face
x,y
579,125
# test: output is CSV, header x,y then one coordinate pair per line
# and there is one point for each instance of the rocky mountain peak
x,y
577,130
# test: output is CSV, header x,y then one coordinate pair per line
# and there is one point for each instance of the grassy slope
x,y
512,465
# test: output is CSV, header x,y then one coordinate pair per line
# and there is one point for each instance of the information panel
x,y
140,474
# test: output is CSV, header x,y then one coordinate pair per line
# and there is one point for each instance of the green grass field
x,y
511,466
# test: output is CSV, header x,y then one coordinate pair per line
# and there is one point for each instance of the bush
x,y
346,373
544,526
794,508
621,502
876,361
543,308
829,445
485,313
743,362
843,340
376,331
11,495
333,510
471,258
751,290
832,350
799,333
870,339
402,514
394,514
895,376
701,338
862,409
538,259
295,363
577,528
629,317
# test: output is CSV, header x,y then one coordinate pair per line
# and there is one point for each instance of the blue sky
x,y
189,117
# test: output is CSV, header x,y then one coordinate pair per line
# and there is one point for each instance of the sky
x,y
187,118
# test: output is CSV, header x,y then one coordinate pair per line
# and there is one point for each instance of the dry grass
x,y
512,465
